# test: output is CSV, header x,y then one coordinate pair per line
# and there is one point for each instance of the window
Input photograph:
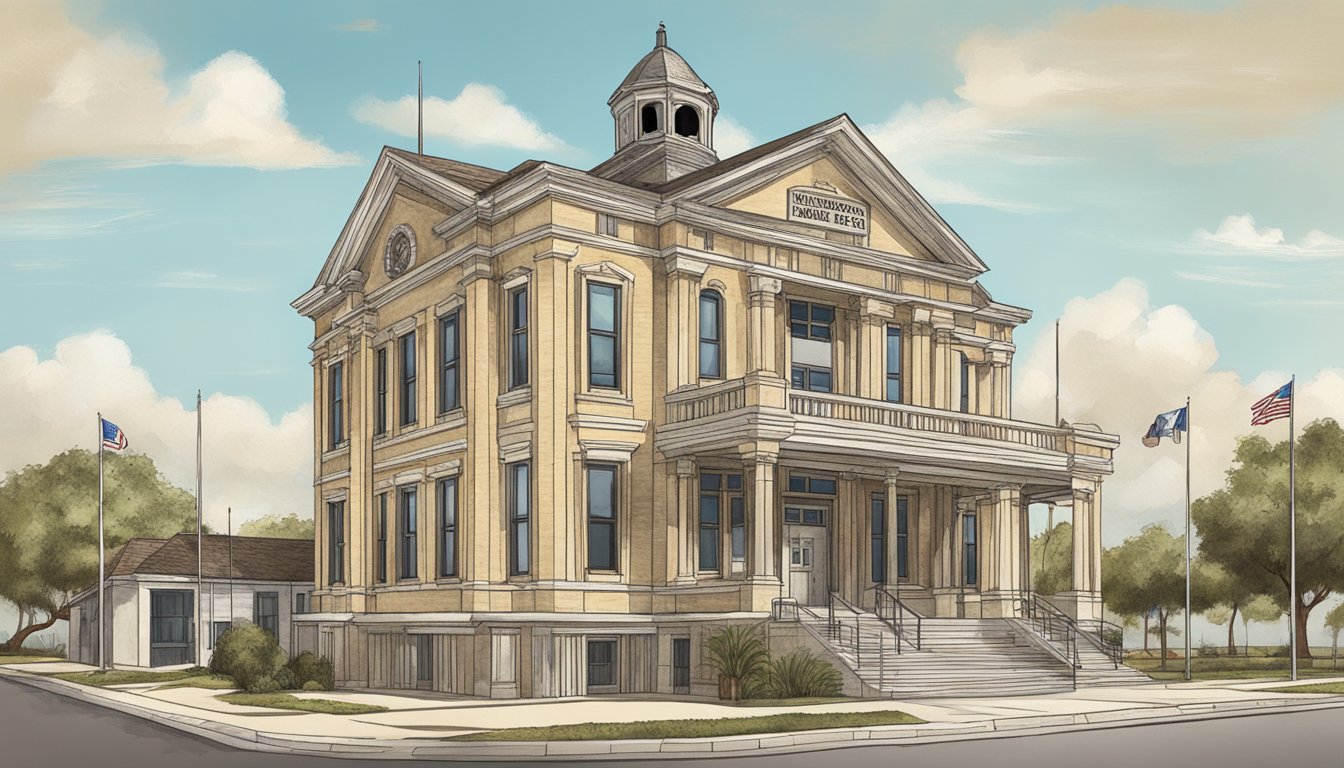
x,y
266,611
335,542
520,503
602,504
408,410
604,336
336,403
878,538
805,515
810,332
805,484
380,398
447,503
518,338
737,530
449,344
300,602
711,335
718,491
424,659
686,121
902,537
648,118
965,384
969,565
407,524
893,364
380,559
608,225
601,662
681,664
217,630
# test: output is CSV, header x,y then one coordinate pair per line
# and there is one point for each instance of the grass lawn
x,y
209,682
1224,668
24,658
692,729
125,677
1315,688
287,701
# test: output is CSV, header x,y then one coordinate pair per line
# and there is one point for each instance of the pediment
x,y
830,181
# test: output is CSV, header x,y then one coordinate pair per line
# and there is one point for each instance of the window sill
x,y
448,581
514,397
606,397
605,576
454,418
342,450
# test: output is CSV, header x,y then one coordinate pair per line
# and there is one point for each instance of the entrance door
x,y
170,636
805,532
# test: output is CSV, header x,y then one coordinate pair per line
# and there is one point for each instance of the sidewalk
x,y
417,726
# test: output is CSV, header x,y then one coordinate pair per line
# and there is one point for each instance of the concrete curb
x,y
723,746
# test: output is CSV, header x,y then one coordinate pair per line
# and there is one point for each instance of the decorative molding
x,y
608,423
607,450
408,477
684,265
606,269
333,477
338,494
761,283
450,468
450,305
515,278
452,446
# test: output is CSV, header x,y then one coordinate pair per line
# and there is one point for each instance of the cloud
x,y
731,137
252,463
1239,235
361,25
1123,361
478,116
70,93
207,281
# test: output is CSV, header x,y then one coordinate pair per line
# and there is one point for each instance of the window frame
x,y
724,488
716,342
614,335
519,518
380,392
446,505
877,538
409,380
336,541
611,522
895,367
408,533
380,560
336,404
450,367
257,617
903,537
970,555
519,373
964,405
611,665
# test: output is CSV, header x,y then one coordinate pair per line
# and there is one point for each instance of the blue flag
x,y
1170,424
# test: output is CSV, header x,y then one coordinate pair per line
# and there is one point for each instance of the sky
x,y
1161,177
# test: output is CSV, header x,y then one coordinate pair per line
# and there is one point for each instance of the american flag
x,y
113,437
1274,406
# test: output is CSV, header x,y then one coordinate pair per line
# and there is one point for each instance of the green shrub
x,y
1280,652
311,668
739,655
251,656
799,674
1206,650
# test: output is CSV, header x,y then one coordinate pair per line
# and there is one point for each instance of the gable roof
x,y
473,177
252,558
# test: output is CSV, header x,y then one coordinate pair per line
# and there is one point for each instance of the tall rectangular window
x,y
878,538
409,413
447,504
518,356
336,403
335,542
711,335
407,524
380,395
810,329
721,493
449,343
601,662
266,611
520,518
737,530
380,559
903,537
602,504
965,384
970,566
893,363
604,336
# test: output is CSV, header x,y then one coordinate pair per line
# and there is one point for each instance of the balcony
x,y
819,425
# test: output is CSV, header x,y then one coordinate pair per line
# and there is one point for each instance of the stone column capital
x,y
764,284
760,458
685,267
685,467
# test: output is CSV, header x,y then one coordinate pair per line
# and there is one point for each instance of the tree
x,y
1052,559
1225,592
49,527
1334,621
1260,609
275,527
1147,573
1244,526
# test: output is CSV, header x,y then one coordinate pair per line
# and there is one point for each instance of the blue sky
x,y
1163,176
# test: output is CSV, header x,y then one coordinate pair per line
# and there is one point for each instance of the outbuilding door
x,y
170,627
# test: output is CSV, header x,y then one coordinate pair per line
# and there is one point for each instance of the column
x,y
1000,359
1084,599
946,373
921,373
762,327
761,463
683,331
686,521
555,516
874,316
892,477
479,488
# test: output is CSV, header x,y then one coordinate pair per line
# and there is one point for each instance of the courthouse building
x,y
571,422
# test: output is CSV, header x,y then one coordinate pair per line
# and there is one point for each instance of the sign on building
x,y
820,208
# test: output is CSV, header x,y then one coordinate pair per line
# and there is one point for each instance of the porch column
x,y
762,329
893,571
921,373
1000,358
762,463
945,371
1084,600
683,298
874,316
686,521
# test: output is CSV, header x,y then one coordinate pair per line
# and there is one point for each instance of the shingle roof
x,y
473,177
741,158
659,65
254,558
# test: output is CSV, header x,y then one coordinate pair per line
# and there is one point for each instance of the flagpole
x,y
1189,435
419,108
199,514
1292,528
1056,424
102,565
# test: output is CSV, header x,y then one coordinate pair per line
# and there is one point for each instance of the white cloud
x,y
70,93
1239,235
731,137
207,281
478,116
1124,361
252,463
361,25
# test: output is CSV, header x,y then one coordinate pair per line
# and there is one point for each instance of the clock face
x,y
399,254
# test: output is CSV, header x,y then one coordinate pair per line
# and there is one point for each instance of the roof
x,y
661,65
473,177
742,158
252,558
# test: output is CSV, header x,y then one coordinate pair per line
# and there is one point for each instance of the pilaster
x,y
685,470
683,328
763,326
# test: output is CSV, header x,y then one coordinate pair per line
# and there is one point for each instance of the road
x,y
39,729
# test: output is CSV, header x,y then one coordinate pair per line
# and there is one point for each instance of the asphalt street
x,y
40,729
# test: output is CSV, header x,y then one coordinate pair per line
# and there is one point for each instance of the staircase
x,y
1098,670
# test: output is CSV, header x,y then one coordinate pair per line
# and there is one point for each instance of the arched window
x,y
711,335
648,118
687,121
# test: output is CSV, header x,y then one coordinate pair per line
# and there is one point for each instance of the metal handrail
x,y
892,610
780,606
1107,637
1056,627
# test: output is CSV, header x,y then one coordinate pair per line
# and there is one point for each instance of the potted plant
x,y
739,654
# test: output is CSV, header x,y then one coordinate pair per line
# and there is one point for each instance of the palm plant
x,y
739,654
800,674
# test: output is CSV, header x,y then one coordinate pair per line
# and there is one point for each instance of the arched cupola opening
x,y
648,119
687,121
